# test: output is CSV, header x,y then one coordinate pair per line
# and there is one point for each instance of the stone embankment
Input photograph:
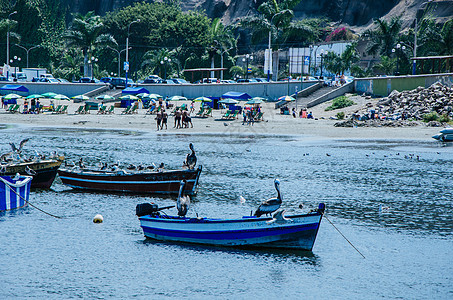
x,y
406,108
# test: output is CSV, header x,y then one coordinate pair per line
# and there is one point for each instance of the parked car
x,y
50,80
3,78
153,79
227,81
261,79
88,80
242,80
210,80
106,79
120,82
63,80
19,76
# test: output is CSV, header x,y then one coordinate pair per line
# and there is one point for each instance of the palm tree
x,y
222,40
85,34
384,37
340,63
387,65
70,63
436,39
154,61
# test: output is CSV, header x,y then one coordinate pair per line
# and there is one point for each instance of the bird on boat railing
x,y
191,159
279,218
272,204
81,165
183,201
30,171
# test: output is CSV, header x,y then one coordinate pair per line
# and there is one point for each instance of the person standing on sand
x,y
177,119
164,119
294,112
159,118
192,107
187,119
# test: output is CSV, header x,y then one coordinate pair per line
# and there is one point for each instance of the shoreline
x,y
274,124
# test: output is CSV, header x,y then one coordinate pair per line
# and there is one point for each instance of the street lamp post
x,y
322,55
15,59
119,57
7,45
127,47
91,62
397,52
27,50
246,60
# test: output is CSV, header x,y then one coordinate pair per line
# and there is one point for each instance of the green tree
x,y
340,63
435,39
384,38
387,65
85,34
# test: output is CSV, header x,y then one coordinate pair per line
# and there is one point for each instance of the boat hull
x,y
14,193
46,171
166,182
299,233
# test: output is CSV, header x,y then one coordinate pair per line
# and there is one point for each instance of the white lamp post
x,y
127,47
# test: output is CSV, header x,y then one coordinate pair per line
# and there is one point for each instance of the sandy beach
x,y
274,122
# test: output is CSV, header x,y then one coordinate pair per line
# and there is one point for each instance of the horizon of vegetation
x,y
164,40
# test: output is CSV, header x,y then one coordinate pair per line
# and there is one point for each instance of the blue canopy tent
x,y
134,91
14,88
237,96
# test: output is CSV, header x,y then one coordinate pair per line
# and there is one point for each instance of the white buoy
x,y
98,219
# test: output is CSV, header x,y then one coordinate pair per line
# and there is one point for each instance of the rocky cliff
x,y
358,14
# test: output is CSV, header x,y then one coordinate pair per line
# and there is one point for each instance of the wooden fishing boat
x,y
289,232
445,135
43,171
146,181
14,191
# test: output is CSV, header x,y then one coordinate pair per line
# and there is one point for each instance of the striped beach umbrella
x,y
286,98
49,94
128,97
81,97
105,97
177,98
34,96
202,99
12,96
60,97
229,101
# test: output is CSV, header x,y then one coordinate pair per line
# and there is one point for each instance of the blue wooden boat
x,y
14,191
288,232
445,135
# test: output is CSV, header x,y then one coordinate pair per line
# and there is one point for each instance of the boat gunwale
x,y
174,219
100,173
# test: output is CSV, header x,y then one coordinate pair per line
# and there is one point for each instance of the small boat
x,y
146,181
445,135
288,232
43,171
14,191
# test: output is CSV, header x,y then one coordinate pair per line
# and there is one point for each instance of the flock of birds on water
x,y
267,207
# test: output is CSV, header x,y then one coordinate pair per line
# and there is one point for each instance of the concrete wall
x,y
270,90
383,86
68,89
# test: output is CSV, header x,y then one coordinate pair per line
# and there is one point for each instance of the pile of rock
x,y
415,103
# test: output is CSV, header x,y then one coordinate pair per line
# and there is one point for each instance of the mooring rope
x,y
342,234
32,205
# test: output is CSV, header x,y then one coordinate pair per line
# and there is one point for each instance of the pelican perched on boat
x,y
191,159
183,202
272,204
279,218
21,145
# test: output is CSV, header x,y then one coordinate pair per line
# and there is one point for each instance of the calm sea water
x,y
408,249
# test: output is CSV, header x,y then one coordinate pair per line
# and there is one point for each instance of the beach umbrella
x,y
177,98
259,98
202,99
34,96
12,96
254,101
81,97
49,94
60,97
105,97
128,97
229,101
154,96
286,98
142,95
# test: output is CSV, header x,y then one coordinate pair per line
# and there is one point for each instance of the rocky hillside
x,y
358,14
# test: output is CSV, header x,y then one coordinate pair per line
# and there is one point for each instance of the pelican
x,y
191,159
81,165
183,202
279,218
272,204
5,156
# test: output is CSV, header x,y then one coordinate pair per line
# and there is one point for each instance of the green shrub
x,y
340,115
340,102
444,118
432,116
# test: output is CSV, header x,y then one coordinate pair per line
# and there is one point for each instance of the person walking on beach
x,y
294,112
177,119
159,119
187,119
25,111
244,115
164,119
192,107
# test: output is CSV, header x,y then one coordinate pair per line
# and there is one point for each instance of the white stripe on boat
x,y
124,182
